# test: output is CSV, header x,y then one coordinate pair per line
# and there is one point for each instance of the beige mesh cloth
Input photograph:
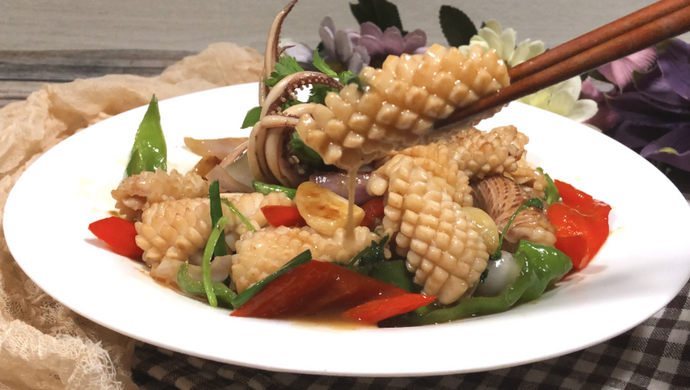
x,y
44,345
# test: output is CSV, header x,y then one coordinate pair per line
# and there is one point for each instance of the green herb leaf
x,y
195,287
264,188
216,214
318,93
392,272
382,13
370,255
284,67
321,65
247,294
242,218
206,260
149,150
456,26
348,77
252,117
551,192
304,153
533,202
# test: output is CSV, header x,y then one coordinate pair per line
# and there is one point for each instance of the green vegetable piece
x,y
533,202
252,117
370,255
264,188
347,77
304,153
195,287
247,294
540,266
321,65
285,66
392,272
551,192
216,214
149,150
206,260
242,218
456,26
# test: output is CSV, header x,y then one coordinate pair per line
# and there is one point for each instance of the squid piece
x,y
531,180
399,104
443,250
139,191
177,229
261,253
500,197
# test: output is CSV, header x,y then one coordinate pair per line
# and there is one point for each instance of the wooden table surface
x,y
23,72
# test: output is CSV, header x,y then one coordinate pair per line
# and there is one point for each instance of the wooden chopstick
x,y
596,37
664,27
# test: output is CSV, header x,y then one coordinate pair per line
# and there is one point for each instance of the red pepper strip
x,y
283,216
119,234
372,210
582,224
317,287
380,309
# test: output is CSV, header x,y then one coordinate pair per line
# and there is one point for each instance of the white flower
x,y
562,99
492,36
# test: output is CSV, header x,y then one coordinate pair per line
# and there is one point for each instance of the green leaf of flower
x,y
456,26
382,13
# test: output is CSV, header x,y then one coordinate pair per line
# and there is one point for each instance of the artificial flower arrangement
x,y
640,100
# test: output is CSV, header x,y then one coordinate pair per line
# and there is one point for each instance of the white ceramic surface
x,y
640,269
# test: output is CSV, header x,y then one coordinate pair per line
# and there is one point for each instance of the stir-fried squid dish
x,y
352,204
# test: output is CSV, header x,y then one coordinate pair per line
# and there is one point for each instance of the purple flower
x,y
341,47
380,44
648,108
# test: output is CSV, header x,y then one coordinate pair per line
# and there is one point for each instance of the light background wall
x,y
192,25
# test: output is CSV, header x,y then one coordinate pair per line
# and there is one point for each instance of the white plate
x,y
642,266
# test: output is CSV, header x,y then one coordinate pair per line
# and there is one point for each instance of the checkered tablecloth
x,y
654,355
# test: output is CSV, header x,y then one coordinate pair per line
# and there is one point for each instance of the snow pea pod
x,y
149,151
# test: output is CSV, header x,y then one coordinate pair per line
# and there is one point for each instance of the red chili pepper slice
x,y
380,309
372,209
320,286
582,224
283,216
119,234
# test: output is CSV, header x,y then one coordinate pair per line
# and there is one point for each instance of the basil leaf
x,y
149,150
456,26
247,294
551,192
252,117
